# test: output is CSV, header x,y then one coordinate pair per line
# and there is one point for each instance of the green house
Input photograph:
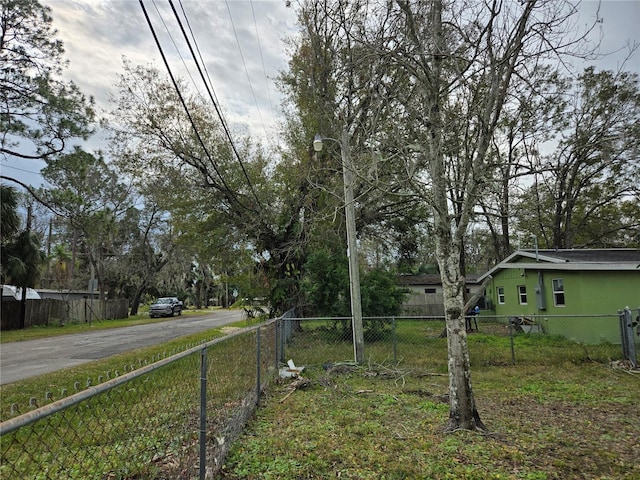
x,y
574,293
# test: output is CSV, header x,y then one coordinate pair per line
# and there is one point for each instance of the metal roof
x,y
591,255
576,259
16,292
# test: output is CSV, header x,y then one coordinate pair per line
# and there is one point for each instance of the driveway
x,y
20,360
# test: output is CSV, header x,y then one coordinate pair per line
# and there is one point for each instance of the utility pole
x,y
352,250
352,246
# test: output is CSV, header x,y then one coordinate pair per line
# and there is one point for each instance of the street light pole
x,y
352,251
352,247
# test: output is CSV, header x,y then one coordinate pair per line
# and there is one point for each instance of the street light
x,y
352,248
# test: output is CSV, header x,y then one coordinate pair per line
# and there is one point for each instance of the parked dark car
x,y
165,307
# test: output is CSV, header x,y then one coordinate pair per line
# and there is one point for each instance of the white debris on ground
x,y
290,371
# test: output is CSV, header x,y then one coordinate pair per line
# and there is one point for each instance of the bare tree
x,y
459,61
423,86
529,119
586,183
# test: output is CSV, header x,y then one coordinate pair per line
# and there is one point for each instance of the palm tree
x,y
9,223
9,219
20,255
22,268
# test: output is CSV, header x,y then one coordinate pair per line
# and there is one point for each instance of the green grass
x,y
561,412
55,385
16,398
419,344
144,428
380,422
132,421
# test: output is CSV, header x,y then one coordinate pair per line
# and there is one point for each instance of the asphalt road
x,y
20,360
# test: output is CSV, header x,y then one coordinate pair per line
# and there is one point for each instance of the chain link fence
x,y
172,419
176,417
421,342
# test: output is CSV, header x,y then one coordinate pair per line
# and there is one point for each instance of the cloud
x,y
616,32
241,43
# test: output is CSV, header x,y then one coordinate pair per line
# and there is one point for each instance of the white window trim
x,y
522,291
556,292
499,295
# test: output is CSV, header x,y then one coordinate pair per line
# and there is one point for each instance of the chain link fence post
x,y
626,334
203,414
395,341
258,366
513,351
276,336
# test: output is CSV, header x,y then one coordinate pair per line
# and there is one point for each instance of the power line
x,y
264,68
186,109
207,81
204,65
215,104
176,47
246,71
20,169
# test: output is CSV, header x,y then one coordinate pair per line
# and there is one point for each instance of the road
x,y
20,360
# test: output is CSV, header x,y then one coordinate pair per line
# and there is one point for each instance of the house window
x,y
429,290
500,291
558,292
522,294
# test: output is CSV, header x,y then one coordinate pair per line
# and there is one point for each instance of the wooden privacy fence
x,y
51,311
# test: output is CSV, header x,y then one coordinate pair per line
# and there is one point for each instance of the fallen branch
x,y
624,366
295,385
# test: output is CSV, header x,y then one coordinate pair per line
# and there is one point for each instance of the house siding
x,y
586,293
419,303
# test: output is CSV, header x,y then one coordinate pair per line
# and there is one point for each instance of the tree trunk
x,y
135,303
23,308
462,409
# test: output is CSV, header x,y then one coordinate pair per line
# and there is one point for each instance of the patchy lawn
x,y
571,421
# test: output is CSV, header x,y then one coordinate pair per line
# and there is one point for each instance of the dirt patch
x,y
566,439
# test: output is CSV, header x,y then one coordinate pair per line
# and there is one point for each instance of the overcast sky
x,y
243,45
241,41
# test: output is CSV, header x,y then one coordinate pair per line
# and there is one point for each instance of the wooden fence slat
x,y
50,311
